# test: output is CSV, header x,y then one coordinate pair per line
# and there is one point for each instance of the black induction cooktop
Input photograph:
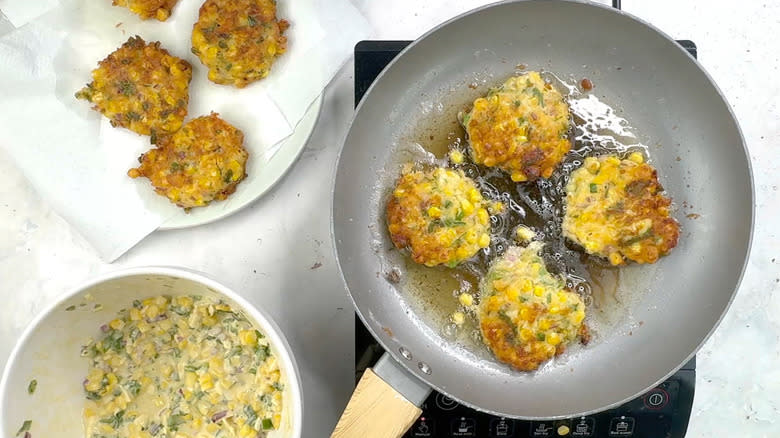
x,y
662,412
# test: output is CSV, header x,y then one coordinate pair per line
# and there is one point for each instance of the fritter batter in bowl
x,y
202,162
439,215
525,314
141,87
238,40
520,127
616,209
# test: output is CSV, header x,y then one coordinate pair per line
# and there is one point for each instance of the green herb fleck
x,y
228,176
127,88
133,116
116,420
193,368
262,352
267,424
175,166
228,66
174,421
252,21
70,308
594,188
133,387
222,44
540,336
459,215
27,423
549,298
539,96
93,395
251,415
518,103
195,51
31,387
447,204
278,386
259,335
137,304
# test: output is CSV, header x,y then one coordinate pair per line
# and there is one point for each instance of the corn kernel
x,y
456,156
484,241
554,310
466,299
615,258
135,314
527,285
475,196
458,318
513,292
538,291
152,311
483,216
462,253
248,337
466,206
524,233
206,381
526,314
553,338
489,162
592,164
519,177
526,335
116,324
636,157
434,212
545,324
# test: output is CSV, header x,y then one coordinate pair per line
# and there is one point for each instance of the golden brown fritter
x,y
159,9
525,315
615,209
203,161
141,87
439,215
238,40
520,127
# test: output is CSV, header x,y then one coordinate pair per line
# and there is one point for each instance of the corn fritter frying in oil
x,y
526,316
204,161
159,9
439,215
238,40
520,127
141,87
615,209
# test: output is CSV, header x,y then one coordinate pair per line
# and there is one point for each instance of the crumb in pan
x,y
204,161
141,87
238,40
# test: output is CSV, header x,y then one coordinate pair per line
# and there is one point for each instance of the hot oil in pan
x,y
607,291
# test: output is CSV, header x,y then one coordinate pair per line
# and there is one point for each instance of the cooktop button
x,y
621,426
445,403
463,427
502,427
656,398
424,427
541,429
583,427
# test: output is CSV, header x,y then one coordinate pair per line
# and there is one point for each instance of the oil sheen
x,y
597,129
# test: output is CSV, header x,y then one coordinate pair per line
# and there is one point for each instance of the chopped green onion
x,y
252,21
70,308
594,188
26,426
267,424
539,96
31,387
540,336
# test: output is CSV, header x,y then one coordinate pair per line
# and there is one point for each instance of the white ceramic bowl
x,y
49,350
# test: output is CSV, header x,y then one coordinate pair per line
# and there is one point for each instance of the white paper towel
x,y
78,162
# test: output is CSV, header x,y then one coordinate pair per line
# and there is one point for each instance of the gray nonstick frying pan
x,y
693,140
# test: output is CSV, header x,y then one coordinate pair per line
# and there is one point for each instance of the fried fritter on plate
x,y
204,161
520,127
615,209
439,215
141,87
159,9
525,315
238,40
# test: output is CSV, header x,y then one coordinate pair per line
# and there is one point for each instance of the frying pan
x,y
694,142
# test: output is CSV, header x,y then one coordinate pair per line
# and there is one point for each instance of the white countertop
x,y
272,251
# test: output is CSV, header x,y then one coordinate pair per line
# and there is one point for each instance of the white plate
x,y
260,177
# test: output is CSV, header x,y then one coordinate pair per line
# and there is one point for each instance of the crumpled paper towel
x,y
78,162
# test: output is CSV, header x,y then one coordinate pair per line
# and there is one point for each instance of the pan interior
x,y
692,138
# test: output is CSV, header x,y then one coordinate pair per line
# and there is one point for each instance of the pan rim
x,y
745,257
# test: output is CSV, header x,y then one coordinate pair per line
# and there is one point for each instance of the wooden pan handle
x,y
376,410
